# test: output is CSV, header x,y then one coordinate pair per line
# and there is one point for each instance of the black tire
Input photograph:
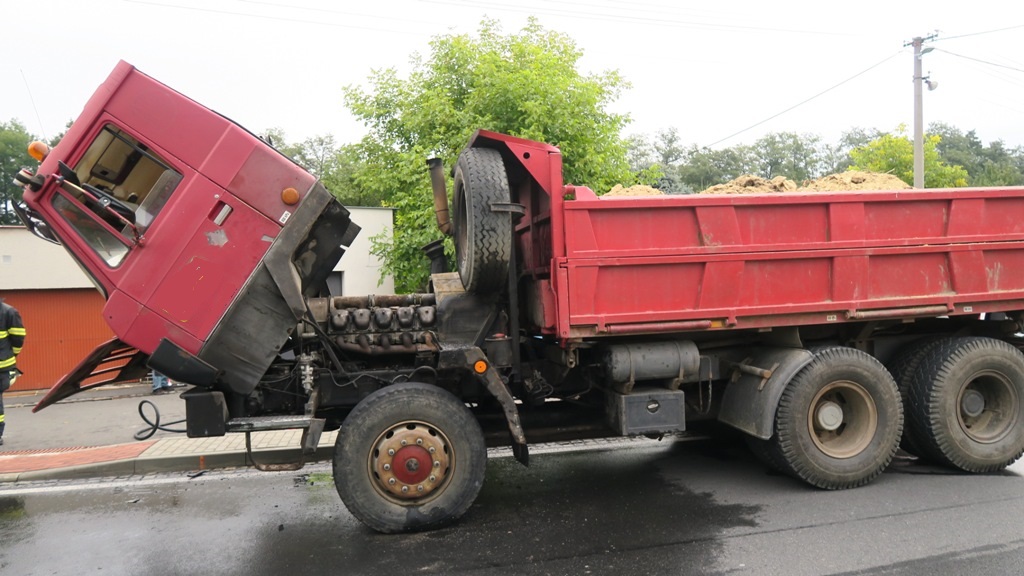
x,y
904,366
839,420
766,452
483,238
436,438
965,404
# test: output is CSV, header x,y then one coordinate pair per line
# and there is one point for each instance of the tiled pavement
x,y
176,454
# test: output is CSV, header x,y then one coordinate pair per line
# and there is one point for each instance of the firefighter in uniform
x,y
12,338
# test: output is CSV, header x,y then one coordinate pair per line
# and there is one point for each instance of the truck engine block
x,y
383,324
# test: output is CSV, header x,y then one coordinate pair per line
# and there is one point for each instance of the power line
x,y
620,18
274,18
822,93
979,60
1014,27
32,99
388,18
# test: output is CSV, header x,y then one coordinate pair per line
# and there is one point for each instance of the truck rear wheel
x,y
839,420
483,238
904,367
409,457
965,404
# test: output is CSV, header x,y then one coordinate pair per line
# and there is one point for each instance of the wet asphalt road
x,y
649,508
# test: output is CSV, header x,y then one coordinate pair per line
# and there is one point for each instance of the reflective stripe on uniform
x,y
16,350
16,331
1,418
3,333
7,363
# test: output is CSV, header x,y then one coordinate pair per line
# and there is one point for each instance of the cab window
x,y
108,245
128,170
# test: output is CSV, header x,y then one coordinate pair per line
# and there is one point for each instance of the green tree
x,y
894,154
836,157
992,165
318,155
526,84
654,161
14,141
703,167
787,154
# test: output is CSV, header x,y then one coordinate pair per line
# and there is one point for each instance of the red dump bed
x,y
677,263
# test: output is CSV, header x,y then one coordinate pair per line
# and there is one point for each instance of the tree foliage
x,y
894,154
14,141
992,165
524,83
952,158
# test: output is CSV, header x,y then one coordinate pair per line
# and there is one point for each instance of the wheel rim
x,y
842,419
411,462
987,407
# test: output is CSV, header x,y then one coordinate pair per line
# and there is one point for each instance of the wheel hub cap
x,y
989,407
973,403
829,415
411,460
842,419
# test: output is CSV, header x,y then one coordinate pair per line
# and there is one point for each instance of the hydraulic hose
x,y
154,425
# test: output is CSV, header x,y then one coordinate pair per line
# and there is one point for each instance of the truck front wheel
x,y
839,420
409,457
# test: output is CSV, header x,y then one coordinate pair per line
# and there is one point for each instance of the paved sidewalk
x,y
169,453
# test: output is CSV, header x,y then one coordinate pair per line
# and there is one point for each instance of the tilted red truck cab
x,y
831,328
209,199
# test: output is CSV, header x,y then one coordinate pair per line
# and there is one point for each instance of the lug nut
x,y
419,488
391,451
432,450
437,464
391,481
404,442
432,477
419,441
387,467
405,489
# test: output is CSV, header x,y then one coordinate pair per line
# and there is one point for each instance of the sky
x,y
722,73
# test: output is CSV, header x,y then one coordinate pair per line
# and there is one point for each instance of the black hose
x,y
154,425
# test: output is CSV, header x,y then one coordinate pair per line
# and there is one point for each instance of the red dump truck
x,y
830,328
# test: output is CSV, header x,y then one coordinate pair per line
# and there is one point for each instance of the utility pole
x,y
918,109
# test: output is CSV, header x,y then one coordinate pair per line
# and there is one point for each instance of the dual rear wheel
x,y
838,422
841,418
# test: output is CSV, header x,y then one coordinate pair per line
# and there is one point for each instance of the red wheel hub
x,y
412,464
411,461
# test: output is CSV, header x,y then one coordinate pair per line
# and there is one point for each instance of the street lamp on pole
x,y
918,108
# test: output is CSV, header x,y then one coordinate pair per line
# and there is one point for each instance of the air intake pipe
x,y
444,222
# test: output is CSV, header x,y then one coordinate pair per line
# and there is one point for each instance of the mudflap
x,y
753,394
469,357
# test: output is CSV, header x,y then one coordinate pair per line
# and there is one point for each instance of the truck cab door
x,y
196,245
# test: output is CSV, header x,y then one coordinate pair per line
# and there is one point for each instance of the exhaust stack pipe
x,y
444,221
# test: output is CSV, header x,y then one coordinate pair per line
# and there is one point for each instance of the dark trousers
x,y
4,384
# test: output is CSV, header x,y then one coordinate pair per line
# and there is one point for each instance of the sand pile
x,y
636,190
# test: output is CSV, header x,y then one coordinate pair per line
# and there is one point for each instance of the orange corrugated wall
x,y
62,327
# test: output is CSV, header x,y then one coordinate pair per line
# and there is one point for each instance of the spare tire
x,y
483,237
